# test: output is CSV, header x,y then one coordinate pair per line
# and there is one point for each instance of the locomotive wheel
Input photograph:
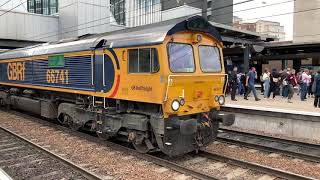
x,y
141,148
103,136
68,120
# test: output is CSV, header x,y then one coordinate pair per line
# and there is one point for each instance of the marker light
x,y
182,102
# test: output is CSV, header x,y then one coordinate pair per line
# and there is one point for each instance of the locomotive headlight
x,y
175,105
221,100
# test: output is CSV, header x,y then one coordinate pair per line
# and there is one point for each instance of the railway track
x,y
221,166
295,149
254,166
22,159
151,158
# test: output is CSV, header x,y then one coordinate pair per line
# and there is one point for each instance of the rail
x,y
76,168
296,149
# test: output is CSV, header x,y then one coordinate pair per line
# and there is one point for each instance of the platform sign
x,y
56,61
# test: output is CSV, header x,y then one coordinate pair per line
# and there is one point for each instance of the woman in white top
x,y
266,82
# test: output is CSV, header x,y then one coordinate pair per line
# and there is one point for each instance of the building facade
x,y
17,24
268,28
271,28
306,24
52,20
217,11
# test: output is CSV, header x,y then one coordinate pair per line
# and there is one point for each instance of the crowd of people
x,y
276,83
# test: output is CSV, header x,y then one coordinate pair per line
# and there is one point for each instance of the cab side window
x,y
143,60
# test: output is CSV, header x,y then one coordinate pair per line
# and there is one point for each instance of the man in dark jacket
x,y
251,76
274,84
317,90
234,83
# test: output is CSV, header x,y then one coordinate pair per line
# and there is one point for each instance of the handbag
x,y
285,82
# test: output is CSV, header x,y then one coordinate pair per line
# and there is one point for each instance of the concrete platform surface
x,y
278,104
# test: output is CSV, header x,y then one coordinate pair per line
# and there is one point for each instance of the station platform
x,y
298,119
278,104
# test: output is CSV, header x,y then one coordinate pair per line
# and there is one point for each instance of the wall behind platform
x,y
276,65
289,127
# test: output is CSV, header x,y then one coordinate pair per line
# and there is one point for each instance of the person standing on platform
x,y
228,89
285,90
299,79
243,82
240,84
262,84
292,81
250,80
316,90
305,78
234,83
310,93
266,83
274,84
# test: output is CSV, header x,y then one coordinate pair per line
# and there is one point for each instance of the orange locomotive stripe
x,y
116,88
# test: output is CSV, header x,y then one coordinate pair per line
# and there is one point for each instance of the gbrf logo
x,y
15,71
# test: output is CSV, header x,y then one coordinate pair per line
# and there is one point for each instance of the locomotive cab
x,y
194,93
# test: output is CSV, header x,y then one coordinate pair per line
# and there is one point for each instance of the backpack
x,y
285,82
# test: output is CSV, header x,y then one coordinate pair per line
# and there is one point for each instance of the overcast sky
x,y
280,7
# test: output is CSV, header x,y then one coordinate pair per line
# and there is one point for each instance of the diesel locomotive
x,y
159,86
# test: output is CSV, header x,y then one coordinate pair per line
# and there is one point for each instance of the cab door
x,y
98,72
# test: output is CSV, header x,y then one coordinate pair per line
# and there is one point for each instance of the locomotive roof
x,y
138,36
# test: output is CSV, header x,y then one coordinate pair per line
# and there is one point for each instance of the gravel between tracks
x,y
273,160
111,163
100,159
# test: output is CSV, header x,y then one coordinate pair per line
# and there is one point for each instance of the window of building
x,y
31,7
209,4
45,4
46,7
53,6
143,60
118,11
38,6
